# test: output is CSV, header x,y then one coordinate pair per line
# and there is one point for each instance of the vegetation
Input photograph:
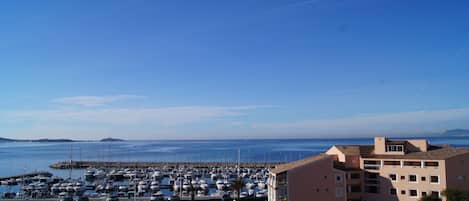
x,y
238,186
456,195
430,198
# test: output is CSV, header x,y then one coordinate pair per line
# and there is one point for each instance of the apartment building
x,y
388,170
302,180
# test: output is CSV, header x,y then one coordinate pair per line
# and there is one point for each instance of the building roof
x,y
355,150
433,153
295,164
436,153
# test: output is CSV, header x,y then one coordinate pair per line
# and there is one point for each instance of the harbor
x,y
144,181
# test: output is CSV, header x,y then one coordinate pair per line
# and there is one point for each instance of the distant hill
x,y
111,140
456,132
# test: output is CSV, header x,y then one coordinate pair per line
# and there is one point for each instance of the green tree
x,y
238,186
192,189
430,198
456,195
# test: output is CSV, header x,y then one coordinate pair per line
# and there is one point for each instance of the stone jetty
x,y
103,164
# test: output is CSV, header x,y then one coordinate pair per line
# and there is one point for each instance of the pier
x,y
107,164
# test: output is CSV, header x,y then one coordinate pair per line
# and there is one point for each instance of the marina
x,y
144,180
163,169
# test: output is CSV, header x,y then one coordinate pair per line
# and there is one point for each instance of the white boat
x,y
186,186
243,194
154,187
177,185
261,194
250,185
251,192
261,185
156,175
214,177
158,196
89,174
200,193
204,185
100,174
123,188
220,184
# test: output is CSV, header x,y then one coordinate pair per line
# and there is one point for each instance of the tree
x,y
192,189
456,195
238,186
430,198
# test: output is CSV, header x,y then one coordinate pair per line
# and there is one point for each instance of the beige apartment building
x,y
389,170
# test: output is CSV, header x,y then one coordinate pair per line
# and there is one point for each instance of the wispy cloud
x,y
403,122
93,101
166,116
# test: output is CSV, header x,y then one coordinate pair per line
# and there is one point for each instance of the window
x,y
431,164
424,194
393,191
338,179
356,188
371,189
412,178
395,148
403,192
392,163
339,192
435,194
434,179
402,177
393,177
412,163
371,164
423,179
355,176
413,193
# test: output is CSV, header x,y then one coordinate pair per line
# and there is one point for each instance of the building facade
x,y
388,170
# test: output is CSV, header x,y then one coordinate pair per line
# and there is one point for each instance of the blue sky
x,y
233,69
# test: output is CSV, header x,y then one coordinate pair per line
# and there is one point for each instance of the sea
x,y
23,157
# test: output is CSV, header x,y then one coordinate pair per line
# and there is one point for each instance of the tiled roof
x,y
288,166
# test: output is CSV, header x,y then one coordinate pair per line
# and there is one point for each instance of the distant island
x,y
456,133
2,139
111,140
5,140
38,140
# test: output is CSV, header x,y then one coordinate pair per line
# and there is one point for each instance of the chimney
x,y
380,145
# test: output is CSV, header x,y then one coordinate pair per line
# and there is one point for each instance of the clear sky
x,y
233,69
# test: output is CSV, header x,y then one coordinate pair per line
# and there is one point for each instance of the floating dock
x,y
102,164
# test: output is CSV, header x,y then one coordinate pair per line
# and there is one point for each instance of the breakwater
x,y
108,164
32,174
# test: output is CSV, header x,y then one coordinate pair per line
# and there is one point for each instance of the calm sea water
x,y
20,157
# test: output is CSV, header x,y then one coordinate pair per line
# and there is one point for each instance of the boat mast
x,y
239,159
71,165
